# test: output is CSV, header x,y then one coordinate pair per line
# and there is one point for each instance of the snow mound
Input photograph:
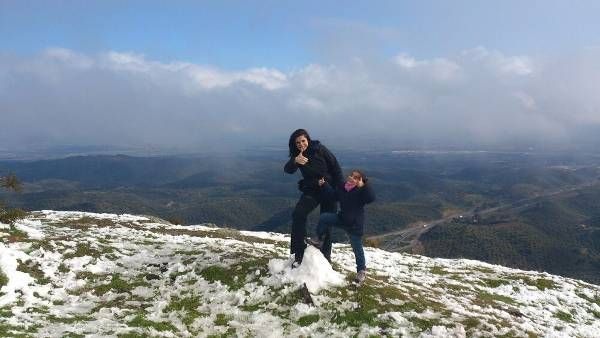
x,y
315,271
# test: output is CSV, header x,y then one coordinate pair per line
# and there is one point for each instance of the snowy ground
x,y
79,274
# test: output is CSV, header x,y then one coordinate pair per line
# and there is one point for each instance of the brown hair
x,y
361,173
292,142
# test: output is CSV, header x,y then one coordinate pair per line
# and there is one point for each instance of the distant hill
x,y
560,235
250,191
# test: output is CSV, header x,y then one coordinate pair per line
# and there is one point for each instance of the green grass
x,y
424,324
484,270
189,305
62,268
491,299
3,279
595,299
9,216
541,283
374,298
69,320
118,285
74,335
141,321
6,312
235,275
231,332
7,330
14,235
81,250
85,222
222,319
438,270
470,323
494,283
36,245
564,316
252,307
308,319
34,270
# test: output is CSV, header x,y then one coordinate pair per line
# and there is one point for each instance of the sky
x,y
197,75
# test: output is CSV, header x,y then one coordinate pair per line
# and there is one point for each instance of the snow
x,y
202,286
315,271
31,228
17,281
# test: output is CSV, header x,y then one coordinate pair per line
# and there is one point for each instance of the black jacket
x,y
352,203
321,163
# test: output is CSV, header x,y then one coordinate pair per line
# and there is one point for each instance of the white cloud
x,y
527,101
69,57
204,76
478,96
438,69
500,63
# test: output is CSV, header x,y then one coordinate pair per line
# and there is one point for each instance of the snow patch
x,y
315,271
30,227
17,281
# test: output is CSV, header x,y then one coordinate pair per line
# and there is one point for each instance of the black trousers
x,y
306,204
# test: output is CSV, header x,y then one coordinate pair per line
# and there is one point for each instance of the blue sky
x,y
291,34
209,74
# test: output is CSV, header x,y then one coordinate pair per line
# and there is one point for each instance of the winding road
x,y
406,238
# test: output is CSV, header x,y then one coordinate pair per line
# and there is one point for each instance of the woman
x,y
353,195
315,162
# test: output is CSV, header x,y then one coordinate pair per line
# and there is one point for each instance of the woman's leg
x,y
359,253
326,221
305,205
327,206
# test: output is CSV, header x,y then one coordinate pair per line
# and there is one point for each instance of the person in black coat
x,y
316,163
353,195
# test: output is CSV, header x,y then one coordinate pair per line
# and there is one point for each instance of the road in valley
x,y
406,239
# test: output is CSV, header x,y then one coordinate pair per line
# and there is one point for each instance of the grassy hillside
x,y
76,274
558,235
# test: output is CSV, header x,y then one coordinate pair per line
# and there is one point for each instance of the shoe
x,y
296,264
360,277
314,242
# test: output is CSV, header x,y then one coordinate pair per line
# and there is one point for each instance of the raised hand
x,y
300,159
360,183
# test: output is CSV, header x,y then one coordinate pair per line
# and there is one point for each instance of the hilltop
x,y
76,274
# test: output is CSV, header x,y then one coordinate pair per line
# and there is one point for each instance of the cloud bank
x,y
478,98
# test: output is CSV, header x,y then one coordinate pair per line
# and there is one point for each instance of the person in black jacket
x,y
353,195
316,163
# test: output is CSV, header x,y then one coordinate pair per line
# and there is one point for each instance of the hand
x,y
300,159
360,183
321,181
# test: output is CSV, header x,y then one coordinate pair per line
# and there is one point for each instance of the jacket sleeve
x,y
290,166
367,195
333,167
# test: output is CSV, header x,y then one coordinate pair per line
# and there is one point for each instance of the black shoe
x,y
296,264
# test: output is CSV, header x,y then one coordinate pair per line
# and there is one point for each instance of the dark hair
x,y
292,143
361,173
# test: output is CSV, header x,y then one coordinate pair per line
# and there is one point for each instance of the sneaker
x,y
314,242
296,264
360,277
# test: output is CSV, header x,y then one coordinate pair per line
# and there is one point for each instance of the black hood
x,y
313,147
